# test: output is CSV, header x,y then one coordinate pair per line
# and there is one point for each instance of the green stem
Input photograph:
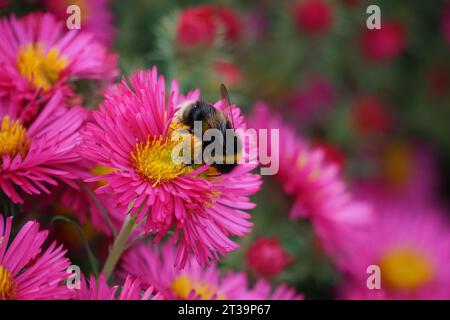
x,y
100,206
91,256
119,245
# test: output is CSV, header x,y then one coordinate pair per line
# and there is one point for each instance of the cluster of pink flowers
x,y
111,161
130,133
153,266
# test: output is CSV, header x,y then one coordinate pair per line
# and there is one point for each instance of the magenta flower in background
x,y
27,271
410,244
41,153
316,185
313,16
445,23
312,100
156,267
257,23
100,290
96,17
131,134
385,44
38,55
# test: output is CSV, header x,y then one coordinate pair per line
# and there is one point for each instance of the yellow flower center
x,y
7,286
182,286
153,160
42,68
13,138
405,269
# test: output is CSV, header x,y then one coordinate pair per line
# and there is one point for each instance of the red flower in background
x,y
332,153
370,116
228,71
379,45
4,3
229,20
196,26
199,25
313,16
267,258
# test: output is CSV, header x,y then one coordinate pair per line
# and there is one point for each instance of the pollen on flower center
x,y
182,286
13,138
153,160
42,68
7,286
405,269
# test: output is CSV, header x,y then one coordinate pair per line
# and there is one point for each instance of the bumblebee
x,y
211,117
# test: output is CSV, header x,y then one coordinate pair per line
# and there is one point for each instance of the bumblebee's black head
x,y
212,118
207,114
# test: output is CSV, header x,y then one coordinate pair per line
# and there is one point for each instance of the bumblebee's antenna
x,y
227,105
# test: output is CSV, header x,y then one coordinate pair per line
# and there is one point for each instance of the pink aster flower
x,y
96,16
410,245
38,54
156,267
27,272
40,153
99,290
319,191
131,134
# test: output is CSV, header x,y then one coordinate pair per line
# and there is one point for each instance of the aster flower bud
x,y
267,258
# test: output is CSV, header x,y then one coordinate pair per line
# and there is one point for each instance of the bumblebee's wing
x,y
226,109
